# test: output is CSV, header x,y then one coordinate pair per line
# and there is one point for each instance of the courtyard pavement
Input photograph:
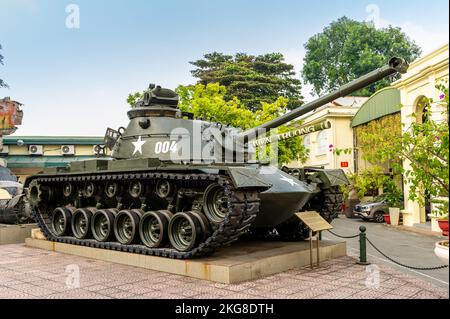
x,y
409,248
34,273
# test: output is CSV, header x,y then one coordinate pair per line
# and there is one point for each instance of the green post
x,y
362,246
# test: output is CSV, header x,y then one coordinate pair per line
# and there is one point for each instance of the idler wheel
x,y
215,203
81,222
185,231
61,221
35,193
126,226
153,228
102,224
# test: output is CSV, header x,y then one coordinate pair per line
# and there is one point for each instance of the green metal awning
x,y
384,102
24,161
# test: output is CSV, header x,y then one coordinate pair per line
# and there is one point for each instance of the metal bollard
x,y
362,247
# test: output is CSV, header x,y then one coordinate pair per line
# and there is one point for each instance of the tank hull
x,y
257,197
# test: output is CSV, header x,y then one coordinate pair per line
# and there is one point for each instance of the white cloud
x,y
428,40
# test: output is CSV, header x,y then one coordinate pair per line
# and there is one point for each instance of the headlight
x,y
365,208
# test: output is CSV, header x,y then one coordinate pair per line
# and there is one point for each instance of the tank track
x,y
243,206
328,204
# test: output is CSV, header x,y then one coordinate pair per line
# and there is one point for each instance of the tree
x,y
209,103
2,83
348,49
252,79
426,147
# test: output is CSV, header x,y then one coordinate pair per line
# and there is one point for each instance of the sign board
x,y
314,221
10,116
344,164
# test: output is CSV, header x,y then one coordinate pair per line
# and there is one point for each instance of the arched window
x,y
422,109
322,143
307,142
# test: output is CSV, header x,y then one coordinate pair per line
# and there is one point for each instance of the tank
x,y
181,187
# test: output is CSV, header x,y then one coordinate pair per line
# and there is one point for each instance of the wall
x,y
340,136
421,79
22,164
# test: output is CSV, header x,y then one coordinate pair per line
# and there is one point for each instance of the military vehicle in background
x,y
182,188
14,206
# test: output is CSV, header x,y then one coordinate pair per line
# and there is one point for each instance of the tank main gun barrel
x,y
396,65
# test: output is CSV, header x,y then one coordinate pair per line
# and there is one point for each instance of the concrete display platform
x,y
15,234
241,262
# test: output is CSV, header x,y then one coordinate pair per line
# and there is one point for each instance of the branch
x,y
438,180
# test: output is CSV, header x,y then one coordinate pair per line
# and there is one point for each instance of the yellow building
x,y
28,155
420,81
340,136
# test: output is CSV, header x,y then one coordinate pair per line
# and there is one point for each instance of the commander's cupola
x,y
156,102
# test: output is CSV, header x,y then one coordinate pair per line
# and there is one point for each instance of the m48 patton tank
x,y
183,188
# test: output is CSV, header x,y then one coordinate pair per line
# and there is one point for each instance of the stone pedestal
x,y
241,262
15,234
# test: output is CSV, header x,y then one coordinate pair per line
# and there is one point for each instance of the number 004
x,y
165,147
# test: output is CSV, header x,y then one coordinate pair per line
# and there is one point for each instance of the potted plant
x,y
443,224
439,216
394,199
441,250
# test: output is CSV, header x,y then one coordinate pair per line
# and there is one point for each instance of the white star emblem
x,y
138,145
288,180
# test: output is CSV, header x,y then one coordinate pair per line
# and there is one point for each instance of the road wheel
x,y
102,224
61,221
126,226
153,228
185,231
81,222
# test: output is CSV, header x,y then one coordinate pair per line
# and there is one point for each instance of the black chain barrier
x,y
346,237
403,265
387,257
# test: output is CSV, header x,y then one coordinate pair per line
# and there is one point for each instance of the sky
x,y
73,75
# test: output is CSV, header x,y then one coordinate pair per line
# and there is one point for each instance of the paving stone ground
x,y
33,273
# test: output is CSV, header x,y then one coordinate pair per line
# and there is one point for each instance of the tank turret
x,y
158,129
181,187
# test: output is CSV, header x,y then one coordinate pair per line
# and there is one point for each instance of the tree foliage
x,y
377,137
252,79
348,49
209,102
2,83
426,147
